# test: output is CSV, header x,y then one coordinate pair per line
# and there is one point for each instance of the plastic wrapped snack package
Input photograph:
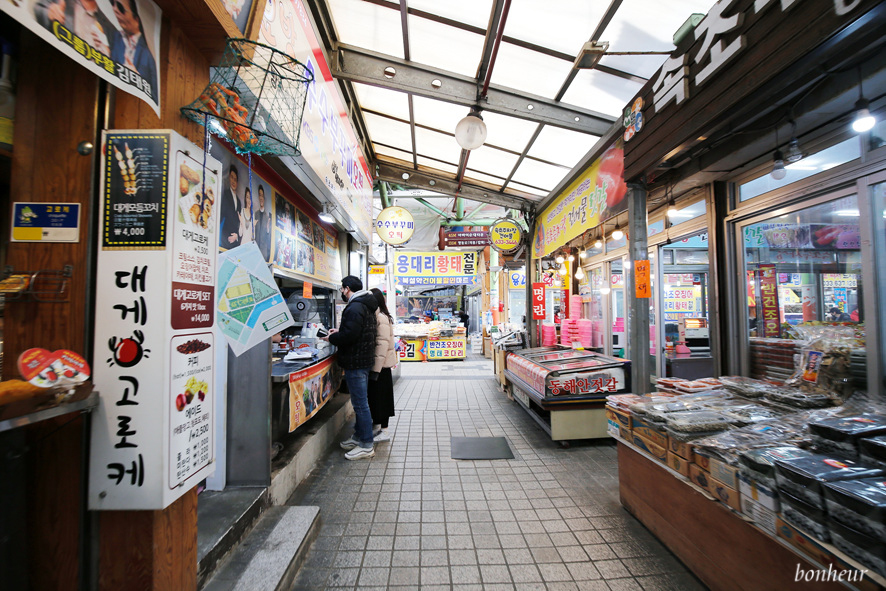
x,y
842,434
859,504
805,477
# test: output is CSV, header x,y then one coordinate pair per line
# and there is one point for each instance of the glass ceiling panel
x,y
543,176
485,178
602,92
436,145
492,161
529,71
643,25
449,169
507,132
564,27
530,190
388,131
389,102
438,114
367,25
386,151
463,49
472,12
562,146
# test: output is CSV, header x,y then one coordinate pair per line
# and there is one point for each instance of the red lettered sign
x,y
538,301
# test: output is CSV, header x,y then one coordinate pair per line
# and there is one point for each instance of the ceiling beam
x,y
360,65
420,179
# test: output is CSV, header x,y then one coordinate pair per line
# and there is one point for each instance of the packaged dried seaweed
x,y
841,434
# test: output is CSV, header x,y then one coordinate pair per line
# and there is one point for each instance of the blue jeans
x,y
358,382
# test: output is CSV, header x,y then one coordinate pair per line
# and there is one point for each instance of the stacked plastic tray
x,y
548,334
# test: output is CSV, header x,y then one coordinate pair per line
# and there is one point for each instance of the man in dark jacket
x,y
355,339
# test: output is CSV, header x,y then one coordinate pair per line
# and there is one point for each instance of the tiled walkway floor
x,y
412,517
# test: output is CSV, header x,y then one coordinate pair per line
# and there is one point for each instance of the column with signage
x,y
152,437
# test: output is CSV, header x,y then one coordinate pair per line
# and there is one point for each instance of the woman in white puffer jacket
x,y
381,383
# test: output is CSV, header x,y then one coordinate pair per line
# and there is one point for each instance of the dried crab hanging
x,y
255,99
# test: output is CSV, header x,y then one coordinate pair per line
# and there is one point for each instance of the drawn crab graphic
x,y
129,351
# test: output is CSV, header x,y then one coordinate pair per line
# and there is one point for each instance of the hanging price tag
x,y
307,290
642,279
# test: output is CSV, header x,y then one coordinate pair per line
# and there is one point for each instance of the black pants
x,y
381,398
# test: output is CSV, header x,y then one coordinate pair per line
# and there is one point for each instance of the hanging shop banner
x,y
459,239
433,349
45,222
598,194
440,268
769,296
135,191
505,236
118,41
152,438
328,143
516,280
376,269
395,225
310,389
250,306
538,301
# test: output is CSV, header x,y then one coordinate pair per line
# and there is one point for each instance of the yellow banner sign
x,y
376,269
430,268
505,235
598,194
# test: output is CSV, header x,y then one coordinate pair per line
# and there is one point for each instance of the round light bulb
x,y
605,290
570,258
618,234
563,270
583,254
470,133
627,264
598,244
673,212
560,259
778,171
863,120
579,273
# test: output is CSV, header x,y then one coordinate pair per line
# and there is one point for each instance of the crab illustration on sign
x,y
129,351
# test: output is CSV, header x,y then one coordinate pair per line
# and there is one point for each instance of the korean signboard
x,y
505,235
472,238
152,439
516,280
328,142
598,194
433,349
45,222
427,268
376,269
310,389
769,296
120,45
838,280
395,225
538,301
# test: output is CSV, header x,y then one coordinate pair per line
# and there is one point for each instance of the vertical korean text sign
x,y
152,435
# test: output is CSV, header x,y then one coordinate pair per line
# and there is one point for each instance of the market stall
x,y
564,390
302,382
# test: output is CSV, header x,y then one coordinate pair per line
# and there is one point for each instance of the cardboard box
x,y
723,472
679,464
612,427
703,462
624,418
650,432
725,494
653,449
762,516
805,544
758,493
700,477
680,448
625,434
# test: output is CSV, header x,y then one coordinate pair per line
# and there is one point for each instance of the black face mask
x,y
344,297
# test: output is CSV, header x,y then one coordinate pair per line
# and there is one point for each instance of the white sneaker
x,y
382,435
350,443
358,453
376,429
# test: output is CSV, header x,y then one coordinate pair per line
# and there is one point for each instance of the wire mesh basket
x,y
255,99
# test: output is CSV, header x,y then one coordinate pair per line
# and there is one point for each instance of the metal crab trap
x,y
255,99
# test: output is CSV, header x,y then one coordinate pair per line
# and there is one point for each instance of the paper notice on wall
x,y
250,307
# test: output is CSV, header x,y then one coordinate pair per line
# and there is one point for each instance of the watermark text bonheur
x,y
818,574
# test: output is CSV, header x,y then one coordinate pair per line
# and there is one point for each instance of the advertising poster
x,y
328,143
454,348
250,307
427,268
45,222
310,389
136,166
302,245
769,297
598,194
190,413
195,221
117,40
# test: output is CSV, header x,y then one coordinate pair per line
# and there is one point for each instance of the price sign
x,y
642,279
538,301
307,290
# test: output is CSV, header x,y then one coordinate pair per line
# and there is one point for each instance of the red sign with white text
x,y
538,301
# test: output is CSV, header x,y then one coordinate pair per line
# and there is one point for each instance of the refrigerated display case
x,y
565,390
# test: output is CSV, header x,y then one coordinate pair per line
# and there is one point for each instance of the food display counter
x,y
565,390
300,388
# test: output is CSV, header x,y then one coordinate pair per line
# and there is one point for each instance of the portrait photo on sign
x,y
305,263
319,236
283,211
304,227
263,219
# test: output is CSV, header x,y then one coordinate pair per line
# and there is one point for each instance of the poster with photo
x,y
117,40
319,236
283,209
305,262
304,227
263,219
